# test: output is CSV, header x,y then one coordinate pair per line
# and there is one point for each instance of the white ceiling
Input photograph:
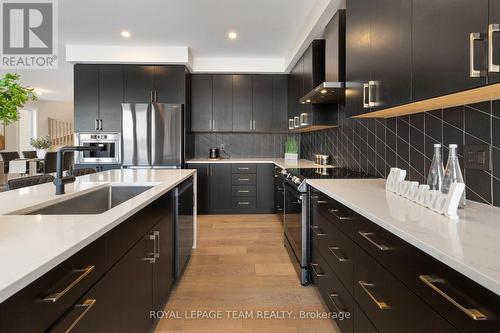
x,y
267,29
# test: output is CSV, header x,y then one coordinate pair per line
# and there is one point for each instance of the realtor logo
x,y
29,34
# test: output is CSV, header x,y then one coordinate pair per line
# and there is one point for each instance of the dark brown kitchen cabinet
x,y
203,186
201,102
110,97
220,186
390,54
494,30
265,186
280,103
262,101
295,89
222,103
139,84
86,97
242,103
169,84
441,46
358,56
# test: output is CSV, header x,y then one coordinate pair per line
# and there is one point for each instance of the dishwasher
x,y
184,219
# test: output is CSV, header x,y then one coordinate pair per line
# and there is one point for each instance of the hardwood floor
x,y
241,265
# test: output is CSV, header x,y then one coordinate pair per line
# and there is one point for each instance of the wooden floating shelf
x,y
486,93
311,128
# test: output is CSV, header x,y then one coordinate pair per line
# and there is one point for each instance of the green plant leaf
x,y
13,96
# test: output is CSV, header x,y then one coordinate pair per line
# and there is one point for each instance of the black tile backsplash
x,y
375,145
243,145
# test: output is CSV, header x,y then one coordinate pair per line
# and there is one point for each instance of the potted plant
x,y
41,145
13,96
291,150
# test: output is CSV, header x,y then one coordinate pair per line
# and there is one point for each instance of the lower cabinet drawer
x,y
38,305
243,168
336,297
467,305
361,323
244,203
390,306
336,248
244,179
244,191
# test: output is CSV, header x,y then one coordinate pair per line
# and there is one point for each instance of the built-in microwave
x,y
110,144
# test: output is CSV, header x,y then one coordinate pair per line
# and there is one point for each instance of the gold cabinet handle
x,y
317,270
54,297
368,236
339,308
317,231
433,282
368,289
335,250
82,309
335,212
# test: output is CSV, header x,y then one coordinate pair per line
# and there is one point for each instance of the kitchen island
x,y
34,246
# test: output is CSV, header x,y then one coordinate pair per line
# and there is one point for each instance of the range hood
x,y
332,91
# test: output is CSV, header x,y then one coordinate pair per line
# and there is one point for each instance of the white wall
x,y
46,109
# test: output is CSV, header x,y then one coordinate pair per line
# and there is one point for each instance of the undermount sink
x,y
93,202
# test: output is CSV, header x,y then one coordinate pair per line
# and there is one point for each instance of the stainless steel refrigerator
x,y
153,135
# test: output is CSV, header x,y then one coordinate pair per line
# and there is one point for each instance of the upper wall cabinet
x,y
494,42
378,54
97,97
446,56
239,103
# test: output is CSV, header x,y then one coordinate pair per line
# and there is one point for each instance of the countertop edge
x,y
45,267
455,264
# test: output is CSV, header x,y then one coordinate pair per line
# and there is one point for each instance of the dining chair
x,y
8,156
30,154
83,171
16,183
50,162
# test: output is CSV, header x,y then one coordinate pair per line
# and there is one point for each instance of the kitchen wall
x,y
374,145
243,145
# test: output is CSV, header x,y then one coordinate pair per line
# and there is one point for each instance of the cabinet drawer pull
x,y
368,236
243,203
81,310
366,286
473,37
54,297
332,296
321,202
317,270
156,234
492,67
335,250
432,282
153,257
243,179
335,212
318,231
243,168
243,191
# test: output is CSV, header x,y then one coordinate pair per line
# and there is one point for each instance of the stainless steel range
x,y
296,217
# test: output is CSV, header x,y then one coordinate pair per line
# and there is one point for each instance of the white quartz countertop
x,y
280,162
31,245
470,245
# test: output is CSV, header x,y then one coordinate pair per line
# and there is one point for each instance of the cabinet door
x,y
262,97
169,84
222,120
295,89
220,186
494,77
203,186
163,269
280,103
201,103
391,52
242,103
265,187
441,46
139,84
123,296
86,97
358,41
110,97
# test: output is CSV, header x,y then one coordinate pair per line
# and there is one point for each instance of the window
x,y
27,129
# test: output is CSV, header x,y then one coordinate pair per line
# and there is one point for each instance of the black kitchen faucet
x,y
60,181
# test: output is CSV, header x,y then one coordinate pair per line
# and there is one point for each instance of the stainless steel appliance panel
x,y
110,144
136,135
167,135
